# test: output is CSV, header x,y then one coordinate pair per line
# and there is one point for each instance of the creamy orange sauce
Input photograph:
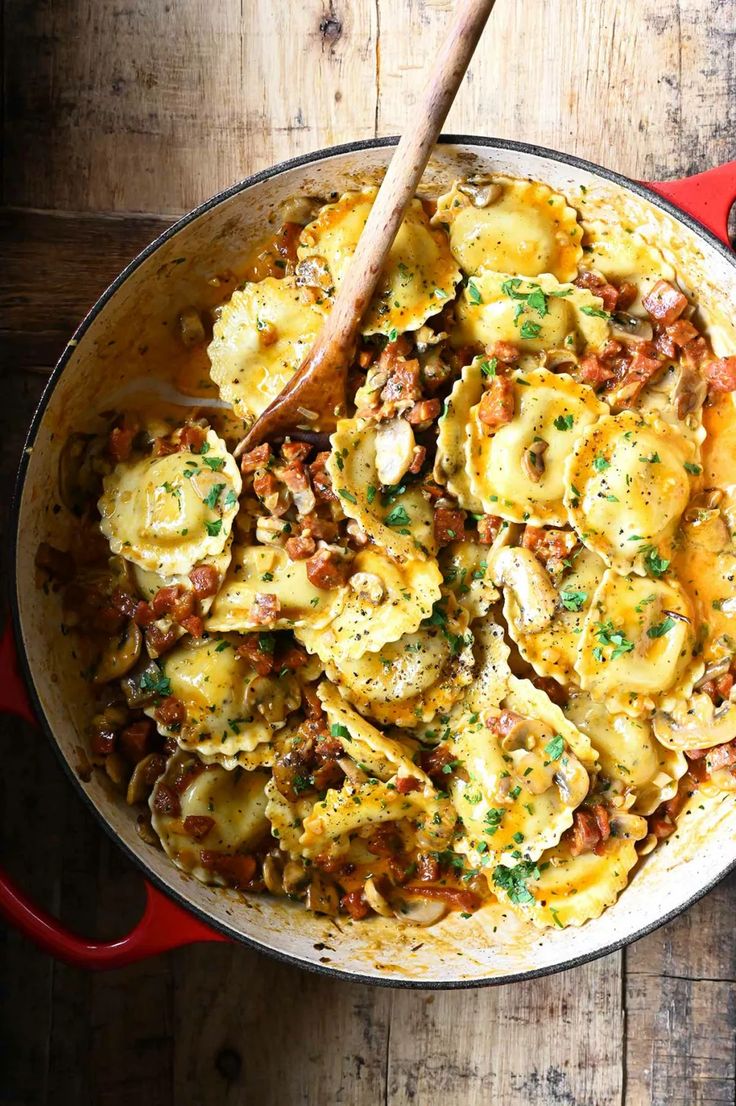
x,y
709,576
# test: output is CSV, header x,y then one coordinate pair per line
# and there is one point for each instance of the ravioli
x,y
229,708
627,484
408,681
383,600
565,890
523,227
420,273
637,642
451,459
333,820
550,408
624,256
260,339
553,650
642,773
286,818
166,514
401,522
148,583
376,754
466,573
268,570
516,794
233,802
535,315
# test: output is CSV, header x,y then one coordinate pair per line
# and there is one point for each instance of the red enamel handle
x,y
162,926
708,197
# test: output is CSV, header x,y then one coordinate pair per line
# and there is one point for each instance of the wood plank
x,y
249,1029
681,1008
153,107
553,1040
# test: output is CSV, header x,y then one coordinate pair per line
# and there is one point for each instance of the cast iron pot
x,y
125,336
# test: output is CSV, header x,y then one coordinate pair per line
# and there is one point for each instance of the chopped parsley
x,y
607,634
514,880
596,311
488,366
214,463
661,628
154,680
573,600
338,730
210,500
530,329
370,493
556,747
600,464
213,528
397,517
694,470
564,422
494,816
473,294
654,564
345,494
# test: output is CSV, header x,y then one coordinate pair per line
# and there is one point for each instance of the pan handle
x,y
708,196
162,926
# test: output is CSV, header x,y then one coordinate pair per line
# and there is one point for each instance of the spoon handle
x,y
401,180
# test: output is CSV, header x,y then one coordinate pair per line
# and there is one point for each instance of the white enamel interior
x,y
127,337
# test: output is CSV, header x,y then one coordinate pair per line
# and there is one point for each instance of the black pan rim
x,y
138,860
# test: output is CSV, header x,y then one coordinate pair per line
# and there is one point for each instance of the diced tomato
x,y
120,443
406,784
488,529
505,352
425,411
257,458
355,905
237,869
681,332
293,657
384,841
300,547
135,740
721,375
198,825
722,756
192,438
503,723
497,403
159,641
204,580
265,608
102,741
585,834
193,625
259,659
325,570
593,371
664,303
171,713
296,451
418,459
174,600
166,801
449,525
627,293
321,482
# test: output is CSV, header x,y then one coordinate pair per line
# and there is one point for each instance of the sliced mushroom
x,y
145,830
696,724
419,911
481,191
273,874
689,392
707,529
394,450
356,775
376,901
191,327
145,774
368,587
528,580
295,877
314,272
138,689
625,326
117,769
119,655
299,209
322,896
532,460
274,698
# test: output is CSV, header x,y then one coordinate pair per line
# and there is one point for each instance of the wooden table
x,y
118,117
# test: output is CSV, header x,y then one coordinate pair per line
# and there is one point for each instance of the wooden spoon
x,y
314,398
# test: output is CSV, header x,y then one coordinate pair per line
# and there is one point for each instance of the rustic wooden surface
x,y
147,107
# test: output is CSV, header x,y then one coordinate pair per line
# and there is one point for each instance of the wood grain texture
x,y
150,106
